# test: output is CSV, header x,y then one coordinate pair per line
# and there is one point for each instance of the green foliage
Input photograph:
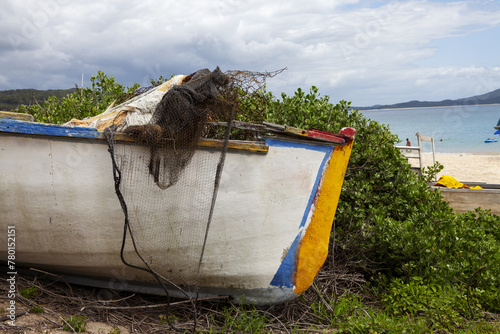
x,y
409,308
245,321
85,102
36,309
437,302
429,173
389,220
240,319
444,250
12,99
160,80
171,319
114,330
29,292
75,323
351,315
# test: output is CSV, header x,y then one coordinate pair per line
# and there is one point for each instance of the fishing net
x,y
167,185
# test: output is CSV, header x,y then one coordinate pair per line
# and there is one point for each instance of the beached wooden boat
x,y
268,237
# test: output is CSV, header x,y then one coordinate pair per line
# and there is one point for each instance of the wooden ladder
x,y
418,148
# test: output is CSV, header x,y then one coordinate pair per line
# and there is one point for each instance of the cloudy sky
x,y
368,52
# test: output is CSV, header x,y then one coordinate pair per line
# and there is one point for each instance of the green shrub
x,y
75,323
36,309
437,302
245,321
114,330
458,249
239,319
390,221
85,102
29,292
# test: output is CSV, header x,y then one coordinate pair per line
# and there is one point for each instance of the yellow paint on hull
x,y
314,246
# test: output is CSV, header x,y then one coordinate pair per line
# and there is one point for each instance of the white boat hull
x,y
270,219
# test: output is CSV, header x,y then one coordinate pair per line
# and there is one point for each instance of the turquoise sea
x,y
456,129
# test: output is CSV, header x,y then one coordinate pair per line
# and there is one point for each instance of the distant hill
x,y
11,99
488,98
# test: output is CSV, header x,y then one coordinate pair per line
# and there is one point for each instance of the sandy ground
x,y
465,167
34,323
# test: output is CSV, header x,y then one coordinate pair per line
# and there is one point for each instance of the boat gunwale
x,y
10,126
28,128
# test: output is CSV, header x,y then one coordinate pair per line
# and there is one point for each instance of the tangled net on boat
x,y
166,186
180,118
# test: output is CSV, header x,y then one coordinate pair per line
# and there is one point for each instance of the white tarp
x,y
136,111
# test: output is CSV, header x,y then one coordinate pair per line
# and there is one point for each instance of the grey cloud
x,y
352,50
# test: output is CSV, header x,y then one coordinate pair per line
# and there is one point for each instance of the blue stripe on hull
x,y
15,126
284,275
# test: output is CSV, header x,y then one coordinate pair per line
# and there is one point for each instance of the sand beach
x,y
465,167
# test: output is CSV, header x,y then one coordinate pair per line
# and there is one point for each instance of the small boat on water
x,y
491,140
257,232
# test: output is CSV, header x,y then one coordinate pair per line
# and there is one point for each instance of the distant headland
x,y
488,98
11,99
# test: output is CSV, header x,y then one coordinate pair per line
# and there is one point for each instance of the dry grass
x,y
138,313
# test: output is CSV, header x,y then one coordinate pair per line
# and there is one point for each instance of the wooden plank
x,y
16,115
426,138
16,126
234,145
206,142
285,130
409,148
462,200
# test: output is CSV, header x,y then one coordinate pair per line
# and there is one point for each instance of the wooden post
x,y
421,138
419,149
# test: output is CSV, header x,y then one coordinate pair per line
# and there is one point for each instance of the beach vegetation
x,y
82,102
29,292
114,330
75,323
417,255
424,268
239,319
36,309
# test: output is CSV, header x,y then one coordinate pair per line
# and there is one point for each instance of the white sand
x,y
465,167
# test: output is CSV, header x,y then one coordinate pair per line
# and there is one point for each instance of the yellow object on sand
x,y
451,182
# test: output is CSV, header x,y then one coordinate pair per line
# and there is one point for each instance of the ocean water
x,y
456,129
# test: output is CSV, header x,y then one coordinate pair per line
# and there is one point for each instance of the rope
x,y
220,167
109,133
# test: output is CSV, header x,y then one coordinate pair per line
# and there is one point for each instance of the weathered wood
x,y
409,148
462,200
16,115
284,130
426,138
